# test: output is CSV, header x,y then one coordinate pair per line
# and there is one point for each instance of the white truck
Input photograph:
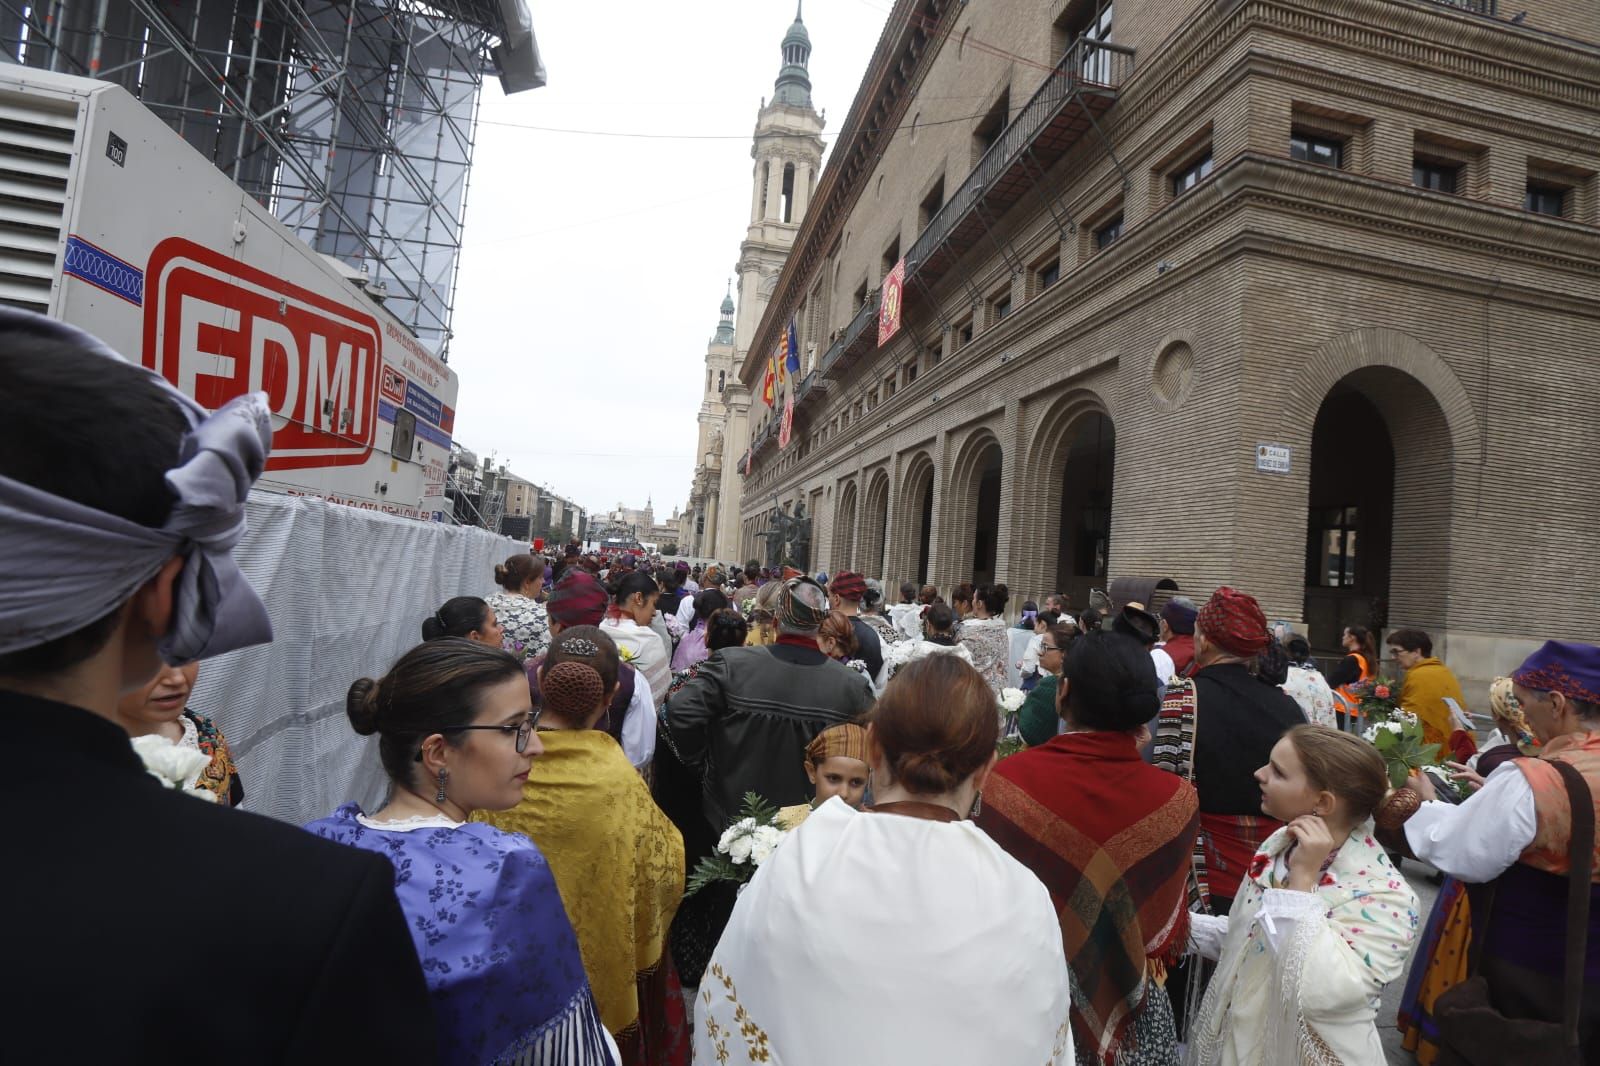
x,y
112,222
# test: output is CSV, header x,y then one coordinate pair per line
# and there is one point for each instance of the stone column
x,y
758,183
1010,477
802,191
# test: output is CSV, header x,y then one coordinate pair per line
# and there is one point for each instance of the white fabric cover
x,y
886,939
347,591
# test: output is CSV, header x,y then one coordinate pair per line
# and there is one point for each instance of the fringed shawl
x,y
501,961
1110,837
616,857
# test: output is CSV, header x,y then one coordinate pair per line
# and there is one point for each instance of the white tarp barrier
x,y
347,591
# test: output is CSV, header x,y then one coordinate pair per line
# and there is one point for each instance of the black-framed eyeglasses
x,y
523,731
1048,647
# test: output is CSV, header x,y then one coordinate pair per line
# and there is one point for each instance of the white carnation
x,y
1012,699
173,766
733,832
739,849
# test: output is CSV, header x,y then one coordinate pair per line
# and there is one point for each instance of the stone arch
x,y
844,528
912,556
1376,346
1380,400
874,525
973,509
1044,468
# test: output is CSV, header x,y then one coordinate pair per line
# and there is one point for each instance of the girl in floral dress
x,y
1321,923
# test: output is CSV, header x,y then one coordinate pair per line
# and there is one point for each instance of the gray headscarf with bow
x,y
68,564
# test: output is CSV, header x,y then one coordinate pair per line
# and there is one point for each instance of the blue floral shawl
x,y
497,949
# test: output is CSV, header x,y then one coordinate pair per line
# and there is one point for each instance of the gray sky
x,y
593,266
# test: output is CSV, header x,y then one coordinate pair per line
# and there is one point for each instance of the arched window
x,y
788,192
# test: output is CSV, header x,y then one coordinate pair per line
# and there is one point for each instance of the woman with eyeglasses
x,y
616,857
1039,719
455,728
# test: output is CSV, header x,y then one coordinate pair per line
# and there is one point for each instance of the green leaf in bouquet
x,y
1398,772
1430,753
714,868
755,807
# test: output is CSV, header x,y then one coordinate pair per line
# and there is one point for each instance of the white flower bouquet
x,y
175,767
745,845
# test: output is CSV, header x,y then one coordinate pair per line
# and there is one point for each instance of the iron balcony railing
x,y
867,316
1086,66
1477,7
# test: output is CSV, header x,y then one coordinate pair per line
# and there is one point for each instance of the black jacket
x,y
144,926
870,648
1237,721
744,720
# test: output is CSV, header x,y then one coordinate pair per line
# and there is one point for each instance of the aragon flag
x,y
768,387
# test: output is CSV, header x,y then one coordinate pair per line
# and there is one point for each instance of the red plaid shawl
x,y
1110,837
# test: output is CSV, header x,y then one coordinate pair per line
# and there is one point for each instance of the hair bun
x,y
924,773
500,573
361,706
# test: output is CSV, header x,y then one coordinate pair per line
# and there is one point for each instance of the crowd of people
x,y
1177,847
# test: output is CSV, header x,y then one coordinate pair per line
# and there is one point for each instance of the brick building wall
x,y
1230,315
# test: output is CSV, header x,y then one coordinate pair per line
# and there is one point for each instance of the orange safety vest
x,y
1346,697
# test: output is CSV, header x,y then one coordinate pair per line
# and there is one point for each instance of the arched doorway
x,y
874,526
1378,507
975,494
916,503
1083,539
844,529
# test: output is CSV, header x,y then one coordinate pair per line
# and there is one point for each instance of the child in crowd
x,y
836,764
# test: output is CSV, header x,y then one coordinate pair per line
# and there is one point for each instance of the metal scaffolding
x,y
351,120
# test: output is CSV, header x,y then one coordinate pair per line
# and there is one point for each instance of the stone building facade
x,y
787,150
1298,297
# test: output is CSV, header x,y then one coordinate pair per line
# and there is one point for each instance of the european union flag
x,y
792,358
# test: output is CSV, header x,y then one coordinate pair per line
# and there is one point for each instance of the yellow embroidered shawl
x,y
616,858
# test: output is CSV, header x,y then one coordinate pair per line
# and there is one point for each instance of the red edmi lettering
x,y
218,329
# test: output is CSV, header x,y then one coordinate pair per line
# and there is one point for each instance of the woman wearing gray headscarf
x,y
117,554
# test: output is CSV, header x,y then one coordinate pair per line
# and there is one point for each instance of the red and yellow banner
x,y
894,287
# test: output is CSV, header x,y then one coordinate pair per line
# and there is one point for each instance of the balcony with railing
x,y
856,338
1080,88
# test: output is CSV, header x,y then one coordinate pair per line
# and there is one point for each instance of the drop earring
x,y
977,806
443,777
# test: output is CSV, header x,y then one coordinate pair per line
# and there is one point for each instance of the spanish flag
x,y
769,387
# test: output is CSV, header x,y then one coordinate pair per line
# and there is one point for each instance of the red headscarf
x,y
578,599
1233,621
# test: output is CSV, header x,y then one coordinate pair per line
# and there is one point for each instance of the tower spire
x,y
794,80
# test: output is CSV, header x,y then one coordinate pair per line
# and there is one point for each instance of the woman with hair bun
x,y
517,606
1323,920
964,959
627,621
616,858
455,728
1110,836
985,635
464,616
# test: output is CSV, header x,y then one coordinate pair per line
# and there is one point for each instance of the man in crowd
x,y
1516,834
1237,720
745,718
844,596
1177,632
117,557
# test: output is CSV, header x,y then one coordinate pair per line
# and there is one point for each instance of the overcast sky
x,y
593,266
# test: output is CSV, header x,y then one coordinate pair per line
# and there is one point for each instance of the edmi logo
x,y
217,328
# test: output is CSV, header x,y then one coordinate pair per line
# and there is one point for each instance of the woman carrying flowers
x,y
963,956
